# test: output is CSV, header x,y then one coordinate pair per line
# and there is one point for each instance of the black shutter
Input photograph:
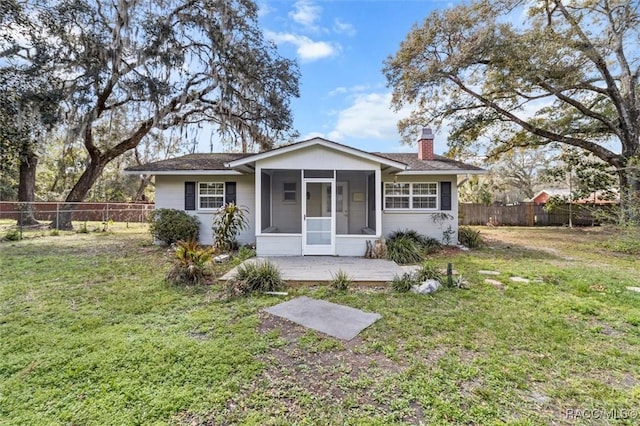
x,y
189,195
230,192
382,195
445,195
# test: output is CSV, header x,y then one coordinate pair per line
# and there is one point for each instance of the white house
x,y
316,197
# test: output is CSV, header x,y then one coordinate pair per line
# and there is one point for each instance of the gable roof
x,y
318,142
236,163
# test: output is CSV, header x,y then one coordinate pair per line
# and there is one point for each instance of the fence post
x,y
57,215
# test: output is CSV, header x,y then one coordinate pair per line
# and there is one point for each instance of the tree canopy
x,y
162,64
517,74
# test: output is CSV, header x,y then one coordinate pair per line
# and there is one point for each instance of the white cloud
x,y
369,117
343,27
307,49
306,13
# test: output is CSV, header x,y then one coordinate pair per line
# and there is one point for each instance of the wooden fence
x,y
530,214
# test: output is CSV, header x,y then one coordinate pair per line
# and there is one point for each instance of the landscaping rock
x,y
520,280
488,272
636,289
222,258
497,284
427,287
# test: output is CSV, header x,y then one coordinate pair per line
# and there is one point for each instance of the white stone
x,y
221,258
483,272
636,289
520,280
427,287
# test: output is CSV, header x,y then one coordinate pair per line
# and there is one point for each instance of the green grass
x,y
90,334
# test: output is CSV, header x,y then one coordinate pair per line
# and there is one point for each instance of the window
x,y
210,195
411,195
289,192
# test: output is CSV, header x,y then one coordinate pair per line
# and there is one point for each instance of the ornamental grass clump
x,y
251,277
408,246
340,281
190,263
469,237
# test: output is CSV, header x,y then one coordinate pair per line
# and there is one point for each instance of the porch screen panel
x,y
318,227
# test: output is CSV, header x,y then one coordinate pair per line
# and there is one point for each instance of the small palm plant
x,y
229,220
190,263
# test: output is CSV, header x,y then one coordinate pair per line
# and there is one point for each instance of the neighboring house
x,y
316,197
598,197
542,197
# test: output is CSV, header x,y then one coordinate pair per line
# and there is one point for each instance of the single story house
x,y
316,197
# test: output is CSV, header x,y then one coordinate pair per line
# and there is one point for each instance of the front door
x,y
318,220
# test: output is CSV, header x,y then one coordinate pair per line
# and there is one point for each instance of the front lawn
x,y
91,335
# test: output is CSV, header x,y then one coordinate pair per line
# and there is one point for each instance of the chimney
x,y
425,144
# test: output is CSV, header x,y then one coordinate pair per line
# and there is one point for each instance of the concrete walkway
x,y
322,269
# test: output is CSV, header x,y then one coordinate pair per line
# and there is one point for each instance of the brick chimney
x,y
425,144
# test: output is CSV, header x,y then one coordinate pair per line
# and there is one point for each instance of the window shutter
x,y
382,195
230,192
189,195
445,195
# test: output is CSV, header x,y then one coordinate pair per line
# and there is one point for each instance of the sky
x,y
340,47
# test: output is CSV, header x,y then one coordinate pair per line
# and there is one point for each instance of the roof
x,y
190,164
439,164
390,163
234,163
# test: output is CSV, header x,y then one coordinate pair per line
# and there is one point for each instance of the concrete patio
x,y
309,270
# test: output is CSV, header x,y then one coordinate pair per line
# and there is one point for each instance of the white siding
x,y
317,158
170,195
352,245
279,245
423,221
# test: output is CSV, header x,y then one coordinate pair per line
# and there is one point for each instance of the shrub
x,y
469,237
403,284
13,235
341,281
227,223
171,225
429,272
243,254
258,276
190,261
408,246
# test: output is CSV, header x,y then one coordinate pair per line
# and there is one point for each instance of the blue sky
x,y
340,47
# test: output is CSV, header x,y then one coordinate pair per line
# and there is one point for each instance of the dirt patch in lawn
x,y
303,364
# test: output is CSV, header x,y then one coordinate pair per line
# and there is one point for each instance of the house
x,y
542,197
594,198
316,197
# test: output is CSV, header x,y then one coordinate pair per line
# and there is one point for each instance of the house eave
x,y
183,172
442,172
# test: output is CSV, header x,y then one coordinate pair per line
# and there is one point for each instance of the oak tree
x,y
517,73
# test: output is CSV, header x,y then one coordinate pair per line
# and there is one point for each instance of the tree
x,y
163,64
29,100
528,74
519,170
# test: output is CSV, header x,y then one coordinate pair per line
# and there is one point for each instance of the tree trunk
x,y
629,196
140,192
26,186
78,193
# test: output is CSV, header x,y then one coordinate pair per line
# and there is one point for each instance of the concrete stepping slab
x,y
329,318
483,272
495,283
636,289
520,280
